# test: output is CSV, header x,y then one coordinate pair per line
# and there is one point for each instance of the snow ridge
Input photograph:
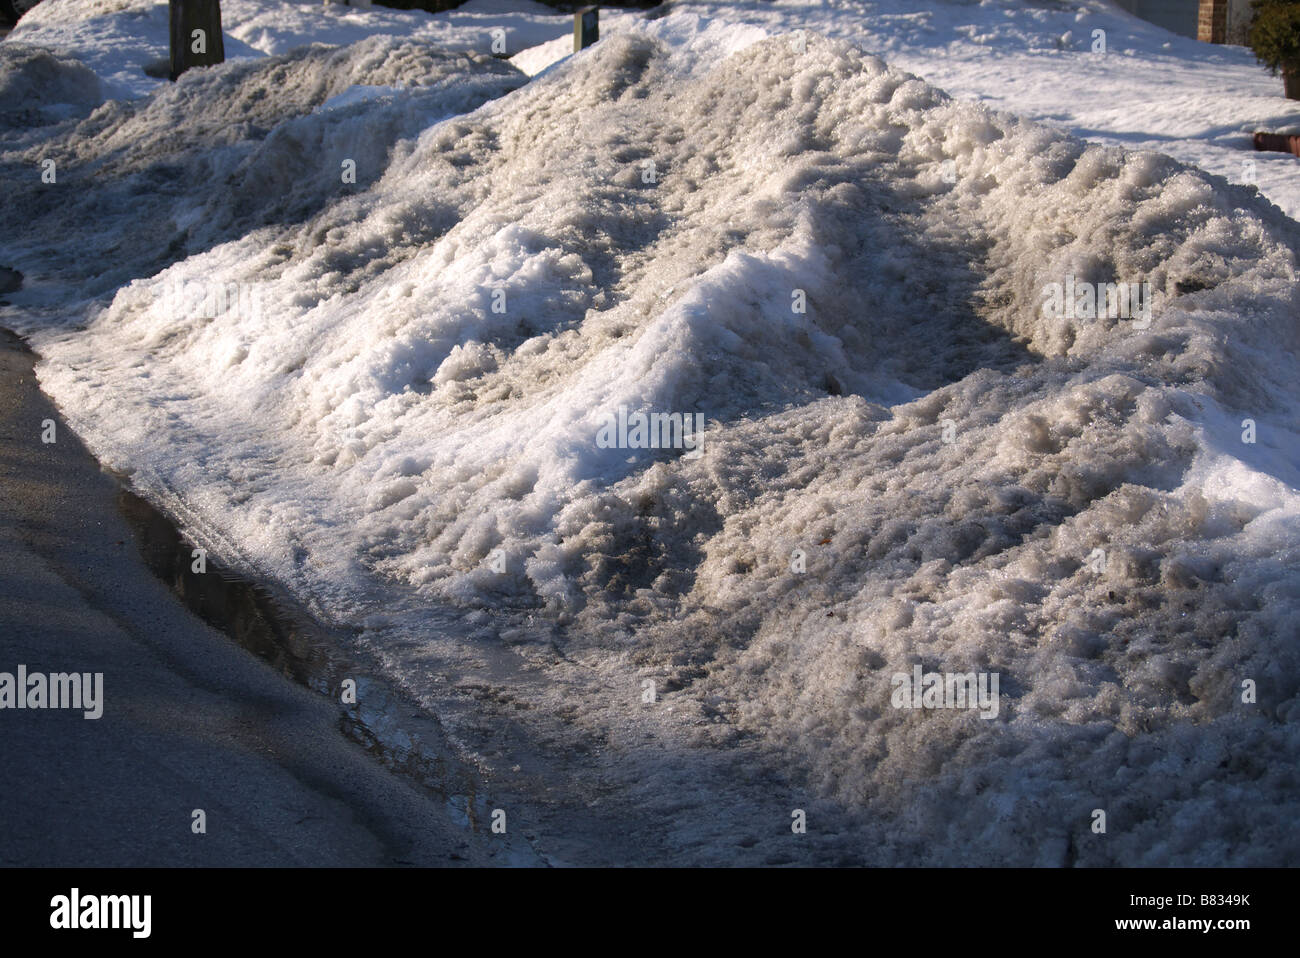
x,y
844,271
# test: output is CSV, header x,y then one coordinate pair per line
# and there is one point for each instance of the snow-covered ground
x,y
1133,85
117,37
398,410
1141,88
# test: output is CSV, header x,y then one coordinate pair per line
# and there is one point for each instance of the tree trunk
x,y
195,34
1291,81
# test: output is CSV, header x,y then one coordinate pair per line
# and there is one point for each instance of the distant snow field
x,y
388,320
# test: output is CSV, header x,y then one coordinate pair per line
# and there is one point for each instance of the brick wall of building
x,y
1212,21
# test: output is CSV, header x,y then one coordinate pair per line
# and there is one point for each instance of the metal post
x,y
195,27
586,27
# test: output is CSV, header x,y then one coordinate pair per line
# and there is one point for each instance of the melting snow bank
x,y
1085,66
143,183
118,38
847,275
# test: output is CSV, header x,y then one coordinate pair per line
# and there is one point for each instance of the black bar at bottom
x,y
333,907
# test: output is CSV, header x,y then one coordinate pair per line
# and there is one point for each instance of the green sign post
x,y
586,27
195,27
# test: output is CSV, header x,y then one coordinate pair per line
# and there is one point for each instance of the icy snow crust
x,y
38,88
221,152
1150,89
376,430
116,38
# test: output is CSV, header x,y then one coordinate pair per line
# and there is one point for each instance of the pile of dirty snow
x,y
119,38
1085,66
143,183
908,457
